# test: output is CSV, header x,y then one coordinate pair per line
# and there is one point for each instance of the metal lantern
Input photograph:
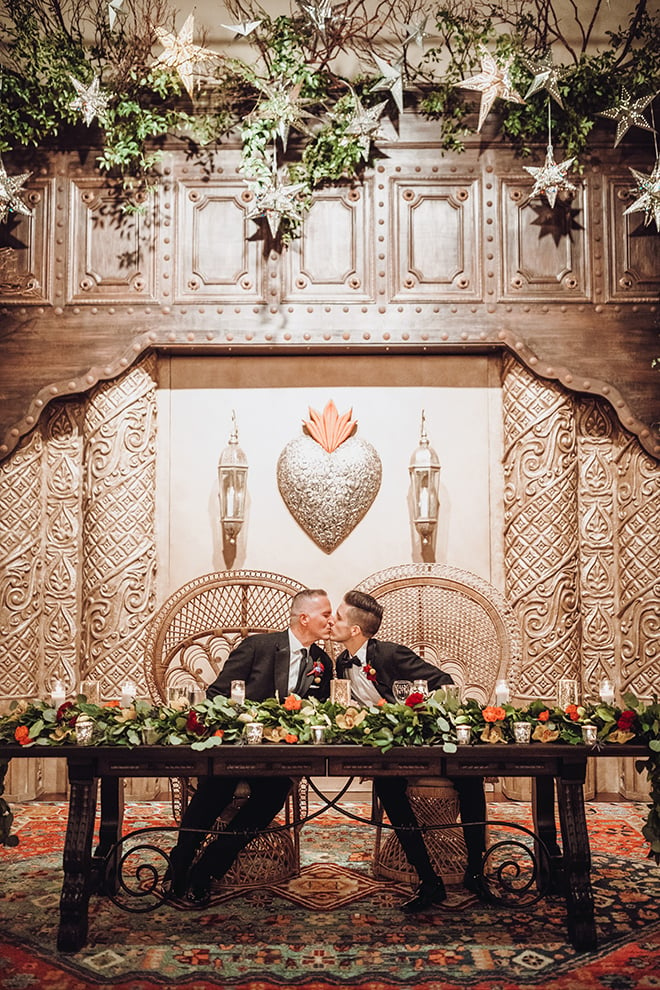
x,y
425,476
232,484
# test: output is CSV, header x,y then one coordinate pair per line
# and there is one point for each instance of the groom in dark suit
x,y
270,664
372,666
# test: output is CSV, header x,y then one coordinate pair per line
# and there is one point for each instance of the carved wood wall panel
x,y
434,234
334,260
633,247
113,257
119,490
545,251
215,257
26,271
541,528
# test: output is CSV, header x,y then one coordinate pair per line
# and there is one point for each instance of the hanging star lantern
x,y
492,82
113,9
364,124
10,201
319,12
546,76
285,109
391,79
648,195
628,113
91,100
243,29
415,33
550,178
276,201
181,54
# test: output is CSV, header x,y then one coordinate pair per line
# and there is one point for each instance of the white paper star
x,y
546,76
10,201
180,54
91,100
319,12
550,178
284,108
364,124
392,79
276,201
113,9
243,29
415,33
648,193
628,114
492,82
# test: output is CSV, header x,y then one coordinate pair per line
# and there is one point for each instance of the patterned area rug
x,y
334,926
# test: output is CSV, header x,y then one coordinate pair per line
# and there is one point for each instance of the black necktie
x,y
300,683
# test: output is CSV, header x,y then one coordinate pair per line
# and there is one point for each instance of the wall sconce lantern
x,y
232,485
425,476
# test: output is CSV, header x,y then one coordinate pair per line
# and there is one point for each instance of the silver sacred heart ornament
x,y
328,477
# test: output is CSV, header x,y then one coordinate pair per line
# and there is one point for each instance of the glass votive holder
x,y
522,732
128,691
340,692
237,694
253,733
150,736
84,730
606,691
589,734
567,692
463,735
91,689
421,687
318,733
502,692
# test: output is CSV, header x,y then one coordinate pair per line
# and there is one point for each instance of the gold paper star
x,y
550,178
364,124
492,82
10,201
648,192
91,101
276,201
546,76
180,54
628,114
392,79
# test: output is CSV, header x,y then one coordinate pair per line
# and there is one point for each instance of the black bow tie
x,y
346,660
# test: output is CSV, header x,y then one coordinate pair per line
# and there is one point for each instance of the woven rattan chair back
x,y
453,619
195,630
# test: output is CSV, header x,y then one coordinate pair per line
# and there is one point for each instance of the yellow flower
x,y
545,734
620,736
492,734
351,718
275,733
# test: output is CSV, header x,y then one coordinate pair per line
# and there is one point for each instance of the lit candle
x,y
128,692
502,693
238,692
424,503
606,691
58,694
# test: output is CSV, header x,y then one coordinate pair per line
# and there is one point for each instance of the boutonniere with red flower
x,y
370,672
316,672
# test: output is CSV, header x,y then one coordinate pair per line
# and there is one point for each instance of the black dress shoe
x,y
474,882
428,893
191,900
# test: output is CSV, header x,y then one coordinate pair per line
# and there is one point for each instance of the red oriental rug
x,y
333,927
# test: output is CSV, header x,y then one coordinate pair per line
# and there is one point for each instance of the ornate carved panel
x,y
435,239
634,273
21,506
118,581
112,253
333,259
217,257
598,543
541,528
544,250
62,547
25,252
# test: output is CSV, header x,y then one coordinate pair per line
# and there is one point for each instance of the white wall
x,y
464,426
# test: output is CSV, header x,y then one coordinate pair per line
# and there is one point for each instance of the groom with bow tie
x,y
372,666
270,664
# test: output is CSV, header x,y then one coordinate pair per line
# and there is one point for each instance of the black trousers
x,y
267,797
472,803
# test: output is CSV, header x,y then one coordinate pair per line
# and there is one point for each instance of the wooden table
x,y
565,765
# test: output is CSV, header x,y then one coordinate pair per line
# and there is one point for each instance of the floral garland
x,y
430,722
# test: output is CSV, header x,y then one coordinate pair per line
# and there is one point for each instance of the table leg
x,y
112,817
551,873
577,864
77,862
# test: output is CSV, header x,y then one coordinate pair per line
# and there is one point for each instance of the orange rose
x,y
292,704
572,712
111,704
22,734
219,732
290,738
493,713
544,716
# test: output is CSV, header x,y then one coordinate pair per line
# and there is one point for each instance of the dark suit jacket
x,y
393,662
262,661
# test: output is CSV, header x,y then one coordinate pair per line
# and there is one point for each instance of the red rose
x,y
194,725
416,698
626,720
62,710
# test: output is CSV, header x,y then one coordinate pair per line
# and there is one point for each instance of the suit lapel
x,y
281,667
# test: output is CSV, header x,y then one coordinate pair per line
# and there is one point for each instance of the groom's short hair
x,y
364,611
